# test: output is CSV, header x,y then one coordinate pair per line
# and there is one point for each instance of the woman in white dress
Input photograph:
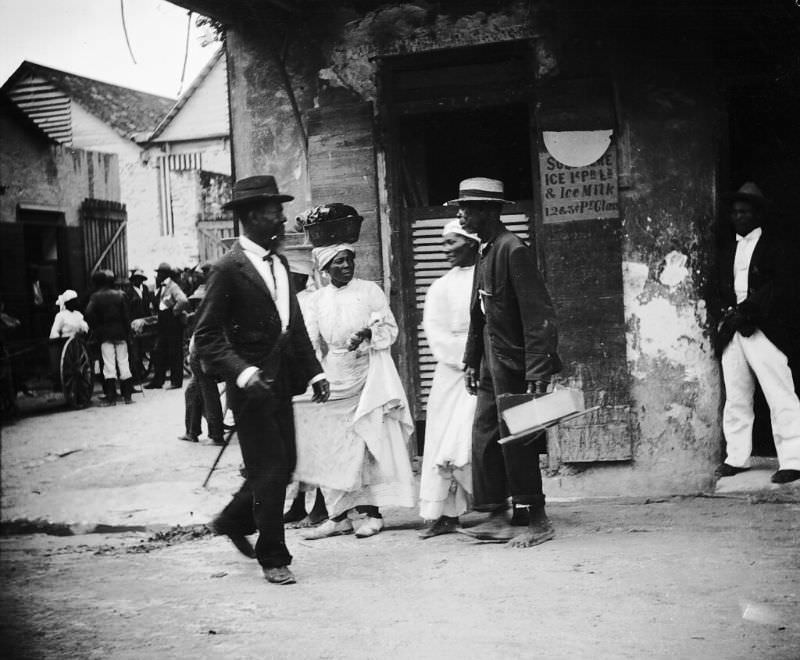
x,y
68,321
446,480
356,447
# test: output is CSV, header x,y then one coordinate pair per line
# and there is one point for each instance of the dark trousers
x,y
202,399
265,427
169,349
497,470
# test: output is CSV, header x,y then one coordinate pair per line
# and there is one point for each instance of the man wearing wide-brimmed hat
x,y
511,349
759,331
171,303
140,301
138,295
250,331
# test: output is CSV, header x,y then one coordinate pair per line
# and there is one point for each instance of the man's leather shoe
x,y
188,438
785,476
241,542
279,575
726,470
153,386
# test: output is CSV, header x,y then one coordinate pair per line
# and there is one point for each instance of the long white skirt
x,y
333,456
446,479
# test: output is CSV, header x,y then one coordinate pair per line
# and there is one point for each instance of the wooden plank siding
x,y
104,236
341,168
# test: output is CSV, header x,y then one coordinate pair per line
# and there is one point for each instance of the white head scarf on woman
x,y
64,298
454,227
324,255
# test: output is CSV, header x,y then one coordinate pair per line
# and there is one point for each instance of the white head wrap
x,y
324,255
454,227
64,298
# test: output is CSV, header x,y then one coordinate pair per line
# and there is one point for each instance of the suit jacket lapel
x,y
756,259
249,272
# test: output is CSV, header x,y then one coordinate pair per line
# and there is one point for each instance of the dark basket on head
x,y
331,232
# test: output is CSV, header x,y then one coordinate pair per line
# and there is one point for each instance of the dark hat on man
x,y
164,267
749,192
480,189
256,189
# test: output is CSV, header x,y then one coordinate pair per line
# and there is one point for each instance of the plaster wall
x,y
265,135
147,246
34,171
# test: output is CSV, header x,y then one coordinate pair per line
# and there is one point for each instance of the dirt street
x,y
703,577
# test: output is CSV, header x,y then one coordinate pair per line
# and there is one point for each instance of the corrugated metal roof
x,y
131,113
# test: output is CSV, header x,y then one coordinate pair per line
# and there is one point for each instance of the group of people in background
x,y
113,314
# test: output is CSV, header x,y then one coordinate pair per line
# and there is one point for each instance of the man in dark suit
x,y
141,304
171,304
139,296
250,331
758,333
511,349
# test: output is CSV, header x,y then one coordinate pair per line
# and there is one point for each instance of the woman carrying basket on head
x,y
357,454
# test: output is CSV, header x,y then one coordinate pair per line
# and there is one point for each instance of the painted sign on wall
x,y
579,193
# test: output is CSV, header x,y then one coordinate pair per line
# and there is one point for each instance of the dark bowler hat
x,y
749,192
164,267
256,188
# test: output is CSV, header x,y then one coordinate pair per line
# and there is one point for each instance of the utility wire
x,y
186,50
125,29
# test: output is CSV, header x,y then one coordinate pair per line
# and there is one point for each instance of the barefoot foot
x,y
535,534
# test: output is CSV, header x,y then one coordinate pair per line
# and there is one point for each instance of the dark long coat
x,y
519,314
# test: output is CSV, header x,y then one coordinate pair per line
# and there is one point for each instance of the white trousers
x,y
115,353
744,360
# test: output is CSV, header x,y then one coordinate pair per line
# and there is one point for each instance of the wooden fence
x,y
210,235
105,238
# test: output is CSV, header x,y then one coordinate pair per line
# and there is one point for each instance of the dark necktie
x,y
268,259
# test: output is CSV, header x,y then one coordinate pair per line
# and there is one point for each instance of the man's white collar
x,y
752,236
252,246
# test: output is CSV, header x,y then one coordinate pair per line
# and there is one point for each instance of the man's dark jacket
x,y
107,315
773,293
140,306
238,326
519,314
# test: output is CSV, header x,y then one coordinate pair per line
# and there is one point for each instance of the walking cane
x,y
226,441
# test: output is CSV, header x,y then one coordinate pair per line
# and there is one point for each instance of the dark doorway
x,y
442,148
764,134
